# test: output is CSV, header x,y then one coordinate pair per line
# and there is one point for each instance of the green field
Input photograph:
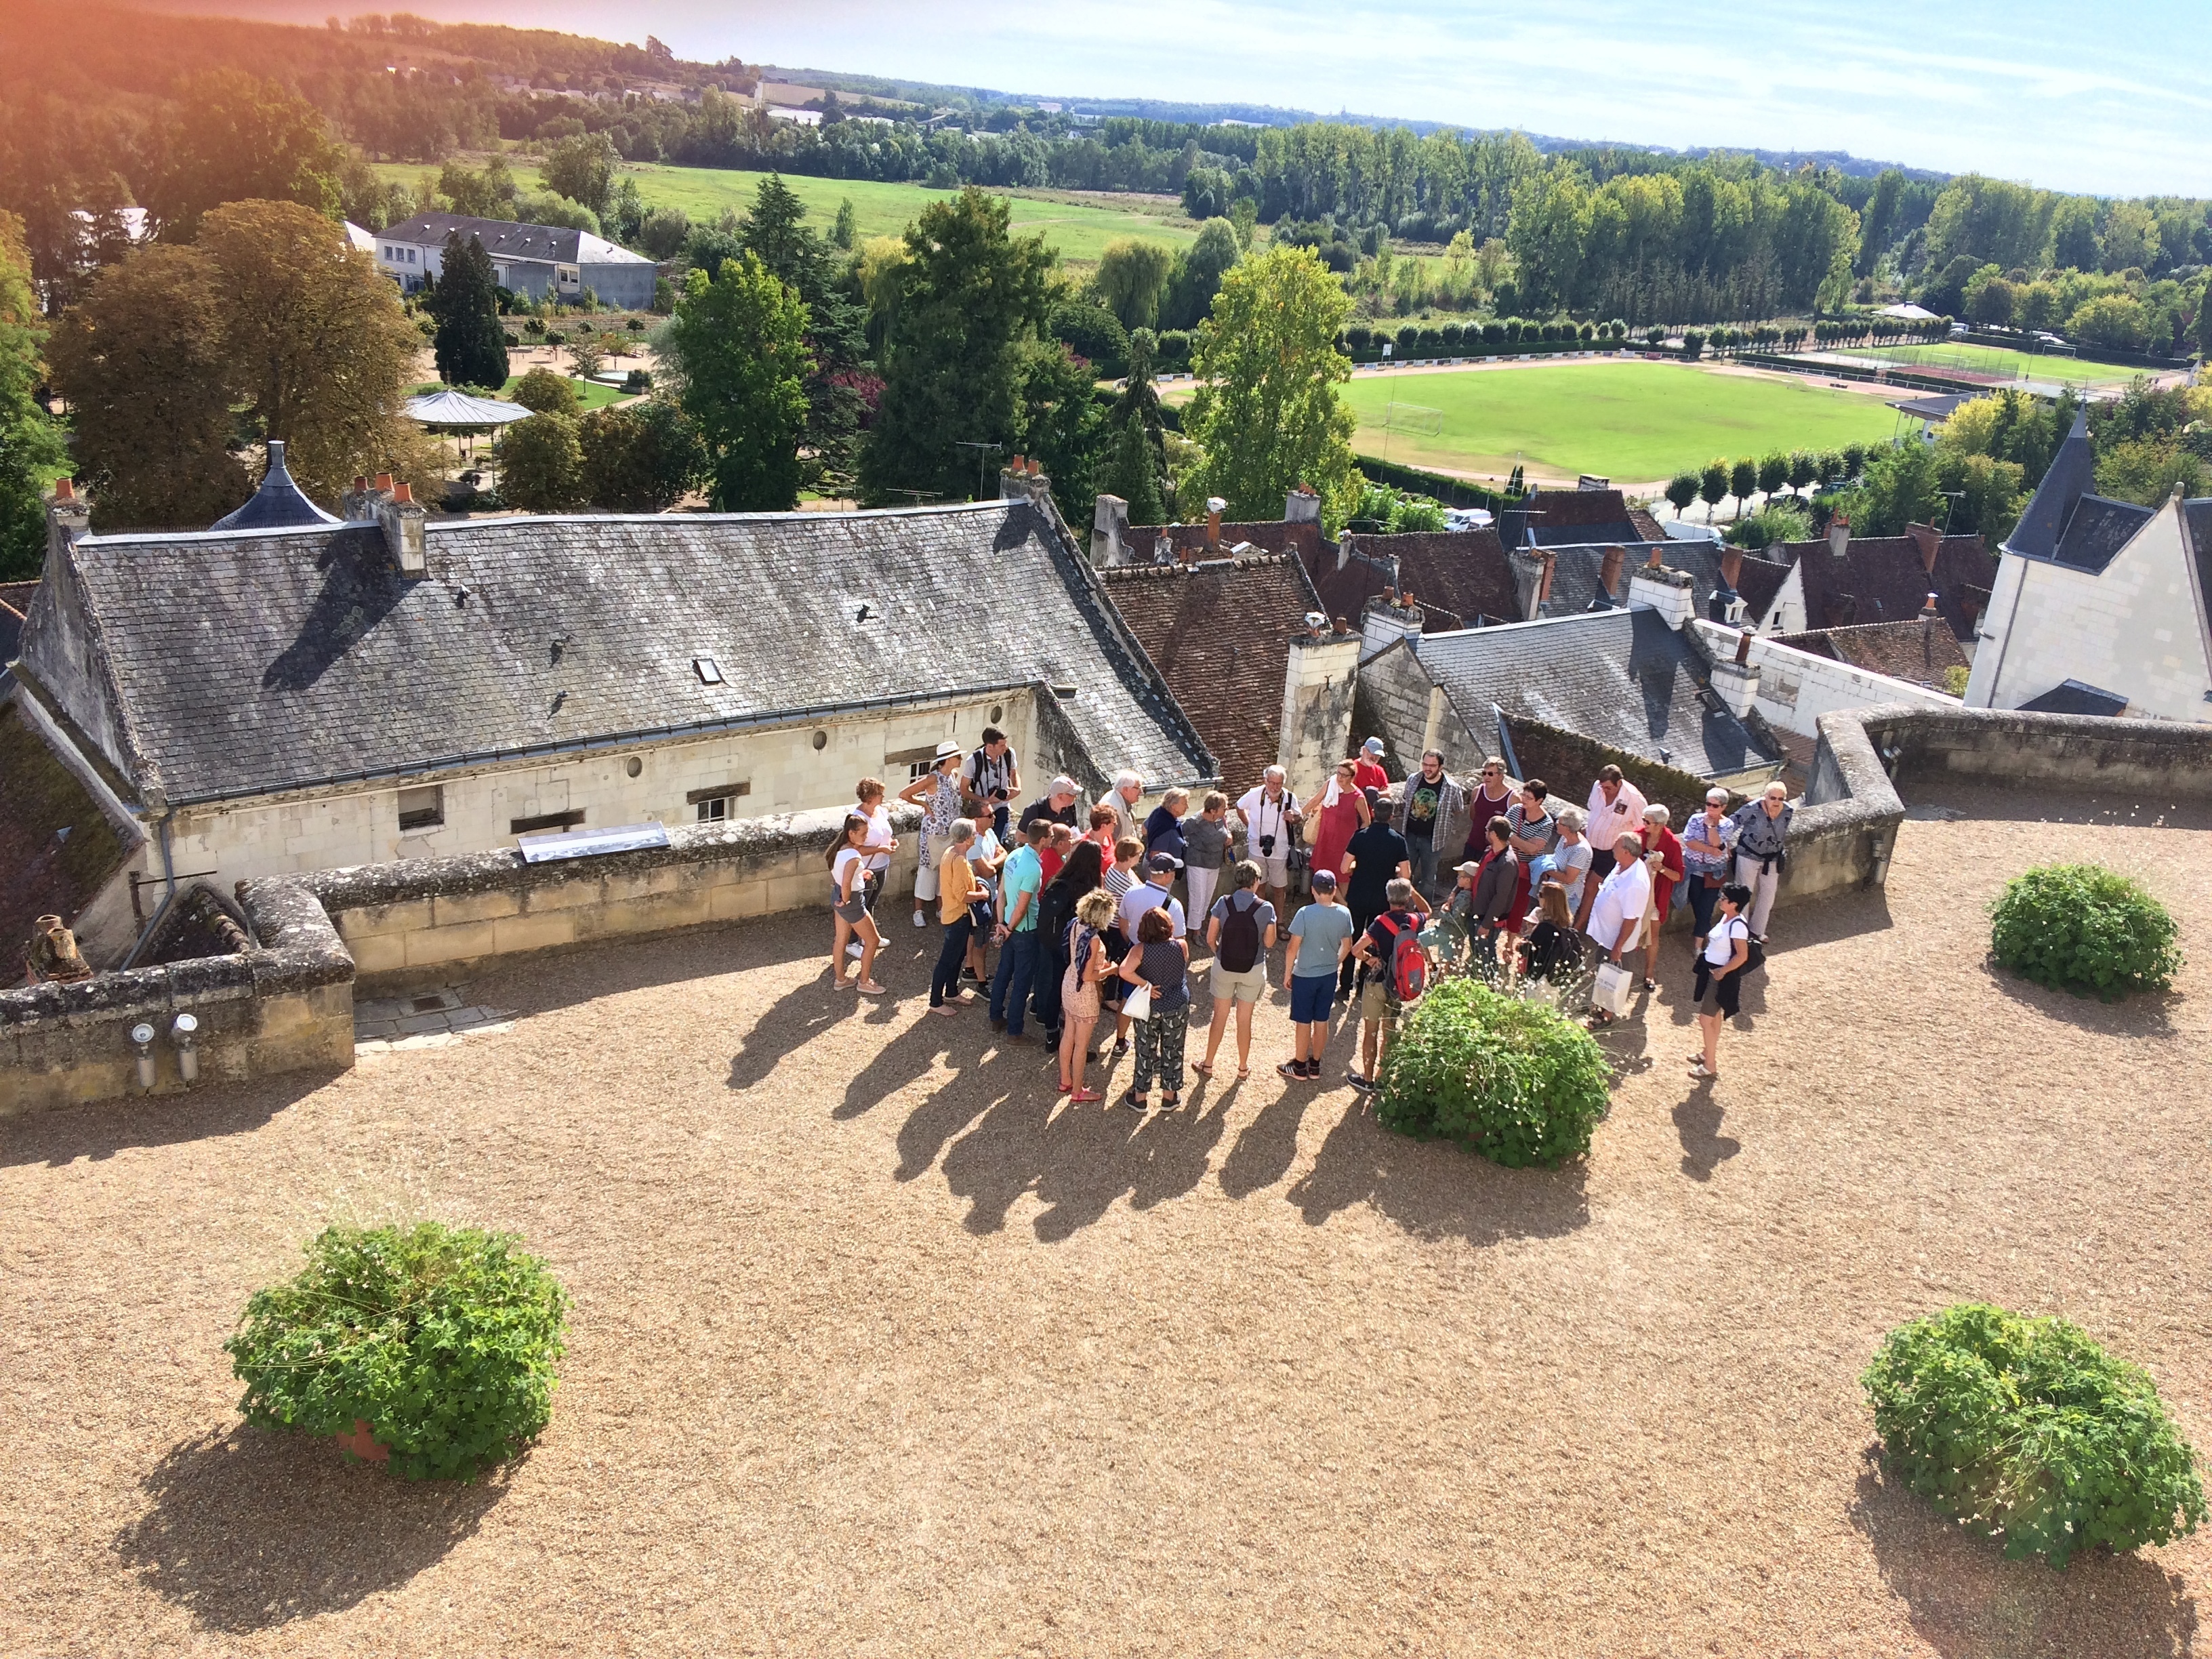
x,y
1078,227
1992,359
1630,422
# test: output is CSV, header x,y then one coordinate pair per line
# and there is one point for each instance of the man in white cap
x,y
1056,806
1369,772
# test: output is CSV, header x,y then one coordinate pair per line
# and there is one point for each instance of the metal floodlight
x,y
183,1032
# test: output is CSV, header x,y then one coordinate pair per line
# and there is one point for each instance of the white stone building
x,y
2101,607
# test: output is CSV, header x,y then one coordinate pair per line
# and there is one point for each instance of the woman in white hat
x,y
937,792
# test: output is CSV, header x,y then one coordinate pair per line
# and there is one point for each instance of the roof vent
x,y
1064,693
709,670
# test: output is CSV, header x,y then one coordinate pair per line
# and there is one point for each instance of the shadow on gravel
x,y
2139,1016
247,1530
105,1127
1698,1122
1967,1601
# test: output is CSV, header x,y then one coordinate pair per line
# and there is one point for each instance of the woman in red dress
x,y
1665,872
1341,810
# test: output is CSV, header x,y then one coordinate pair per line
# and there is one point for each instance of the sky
x,y
2107,96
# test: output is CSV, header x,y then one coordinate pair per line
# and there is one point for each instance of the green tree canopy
x,y
1133,472
1743,478
836,326
543,392
235,138
1266,412
1713,485
29,445
963,303
582,168
1681,490
638,457
541,464
472,345
1131,275
1196,277
737,346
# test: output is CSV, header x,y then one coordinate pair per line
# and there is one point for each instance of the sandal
x,y
1085,1098
1243,1071
1699,1074
1203,1068
1650,984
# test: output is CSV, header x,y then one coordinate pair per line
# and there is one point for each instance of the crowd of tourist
x,y
1091,913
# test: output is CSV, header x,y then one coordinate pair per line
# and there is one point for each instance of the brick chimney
x,y
69,516
1214,508
1839,534
1726,604
403,520
1551,568
1924,538
1608,593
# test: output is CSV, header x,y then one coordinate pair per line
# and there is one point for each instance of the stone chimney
x,y
1302,506
1344,546
1384,622
1669,592
1925,538
403,520
1736,681
1023,480
69,516
1726,604
1839,534
1317,688
364,502
1109,531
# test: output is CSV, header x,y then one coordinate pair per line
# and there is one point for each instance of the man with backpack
x,y
989,779
1394,969
1240,930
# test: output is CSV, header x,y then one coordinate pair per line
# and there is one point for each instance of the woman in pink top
x,y
1342,810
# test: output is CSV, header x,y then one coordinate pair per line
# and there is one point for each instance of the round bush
x,y
441,1338
2025,1429
2080,927
1516,1081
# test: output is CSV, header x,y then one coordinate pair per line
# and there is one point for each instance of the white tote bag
x,y
1137,1005
1615,989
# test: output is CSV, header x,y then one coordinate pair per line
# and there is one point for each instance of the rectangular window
x,y
423,809
715,809
717,794
549,821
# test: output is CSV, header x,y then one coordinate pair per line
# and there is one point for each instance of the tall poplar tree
x,y
738,347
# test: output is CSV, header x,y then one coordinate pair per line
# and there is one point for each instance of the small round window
x,y
634,766
821,740
997,713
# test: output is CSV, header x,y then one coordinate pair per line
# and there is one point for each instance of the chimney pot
x,y
1551,564
1652,563
402,492
1743,647
361,481
64,490
384,481
1020,463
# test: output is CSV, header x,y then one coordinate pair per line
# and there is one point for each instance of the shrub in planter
x,y
1517,1081
442,1340
2080,927
2025,1429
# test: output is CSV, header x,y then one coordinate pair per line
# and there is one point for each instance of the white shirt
x,y
1263,817
880,835
1720,943
846,858
1625,817
1149,896
1620,904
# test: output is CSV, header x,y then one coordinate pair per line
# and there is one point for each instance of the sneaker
x,y
1365,1085
1312,1073
920,921
853,950
1121,1048
1134,1102
1293,1069
997,1025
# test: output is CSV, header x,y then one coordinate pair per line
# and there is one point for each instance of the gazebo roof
x,y
458,409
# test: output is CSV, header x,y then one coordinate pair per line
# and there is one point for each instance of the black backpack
x,y
1240,938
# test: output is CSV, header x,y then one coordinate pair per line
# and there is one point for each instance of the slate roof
x,y
1885,578
1620,677
56,849
2072,474
1220,632
1460,578
1188,541
2074,698
1577,568
278,504
1911,651
1565,518
2096,531
503,238
259,662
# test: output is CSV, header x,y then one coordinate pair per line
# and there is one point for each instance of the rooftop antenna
x,y
982,454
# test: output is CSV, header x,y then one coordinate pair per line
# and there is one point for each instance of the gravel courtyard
x,y
877,1349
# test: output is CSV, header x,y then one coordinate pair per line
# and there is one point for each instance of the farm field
x,y
1990,360
1627,421
1077,226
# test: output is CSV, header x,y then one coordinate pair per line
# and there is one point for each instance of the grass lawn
x,y
1630,420
1992,359
1079,227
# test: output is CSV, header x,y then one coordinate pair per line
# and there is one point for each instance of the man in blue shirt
x,y
1324,934
1021,880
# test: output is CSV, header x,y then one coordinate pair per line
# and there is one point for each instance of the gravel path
x,y
876,1351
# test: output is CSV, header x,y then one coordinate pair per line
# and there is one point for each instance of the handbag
x,y
1614,988
1297,857
1137,1005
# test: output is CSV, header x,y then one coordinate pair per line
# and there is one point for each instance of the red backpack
x,y
1408,968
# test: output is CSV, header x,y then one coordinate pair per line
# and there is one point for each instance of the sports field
x,y
1629,421
1077,226
1991,360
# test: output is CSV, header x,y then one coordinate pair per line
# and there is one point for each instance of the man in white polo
x,y
1616,920
1269,812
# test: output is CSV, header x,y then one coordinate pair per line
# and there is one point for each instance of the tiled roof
x,y
1914,650
1885,578
2072,474
1219,631
1460,578
1562,517
503,238
2097,529
246,664
1576,571
1188,541
56,849
2075,698
1620,677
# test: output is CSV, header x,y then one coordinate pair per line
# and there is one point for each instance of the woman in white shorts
x,y
937,793
1244,923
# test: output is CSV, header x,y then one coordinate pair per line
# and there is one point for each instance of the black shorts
x,y
1718,995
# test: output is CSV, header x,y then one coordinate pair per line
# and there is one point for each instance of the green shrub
x,y
1518,1082
441,1338
2080,927
2026,1429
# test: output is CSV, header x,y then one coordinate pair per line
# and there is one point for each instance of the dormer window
x,y
709,670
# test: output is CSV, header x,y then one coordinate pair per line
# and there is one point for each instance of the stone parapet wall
x,y
424,920
283,1007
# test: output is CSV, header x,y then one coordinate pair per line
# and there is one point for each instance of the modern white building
x,y
543,261
2100,607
